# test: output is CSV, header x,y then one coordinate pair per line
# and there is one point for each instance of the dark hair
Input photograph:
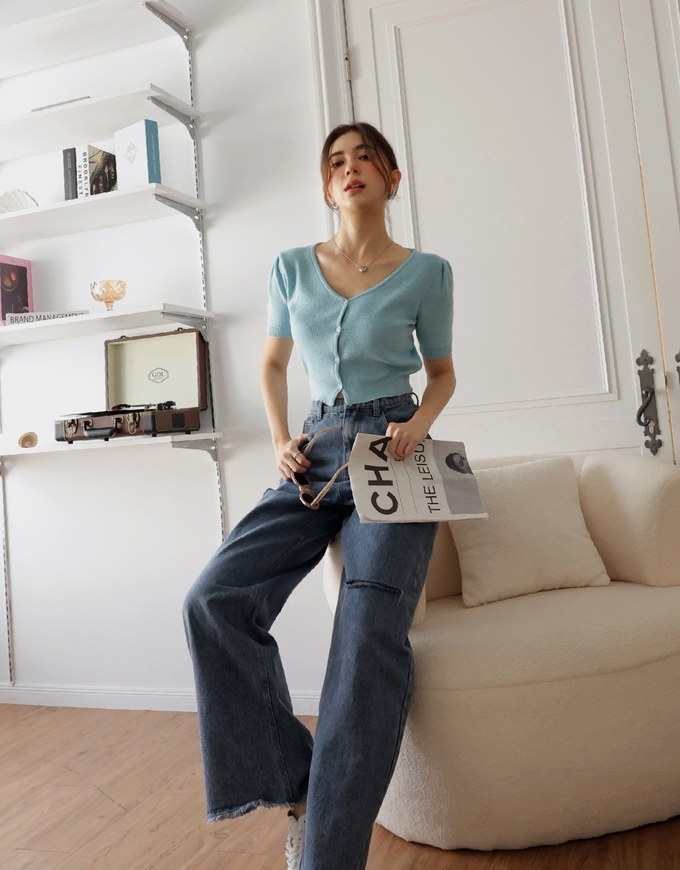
x,y
374,141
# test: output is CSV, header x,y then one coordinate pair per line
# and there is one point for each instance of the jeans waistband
x,y
376,406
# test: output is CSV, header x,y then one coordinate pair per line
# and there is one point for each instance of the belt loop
x,y
416,399
376,408
320,411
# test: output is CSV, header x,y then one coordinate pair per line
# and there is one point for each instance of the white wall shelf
x,y
36,382
85,120
93,324
82,31
200,440
95,212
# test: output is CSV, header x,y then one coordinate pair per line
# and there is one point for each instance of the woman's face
x,y
355,178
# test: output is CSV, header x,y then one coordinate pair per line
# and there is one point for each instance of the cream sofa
x,y
554,715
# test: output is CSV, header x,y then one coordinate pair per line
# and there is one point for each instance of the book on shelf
x,y
40,316
138,154
70,174
95,171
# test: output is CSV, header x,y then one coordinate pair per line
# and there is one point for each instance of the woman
x,y
350,305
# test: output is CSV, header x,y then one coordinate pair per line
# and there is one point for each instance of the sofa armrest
x,y
631,505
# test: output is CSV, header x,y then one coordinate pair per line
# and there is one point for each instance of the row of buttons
x,y
338,329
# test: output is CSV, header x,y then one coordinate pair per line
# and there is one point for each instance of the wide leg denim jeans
x,y
255,751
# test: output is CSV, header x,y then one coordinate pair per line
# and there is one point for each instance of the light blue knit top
x,y
363,346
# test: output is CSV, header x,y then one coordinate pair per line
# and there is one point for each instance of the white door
x,y
514,125
655,86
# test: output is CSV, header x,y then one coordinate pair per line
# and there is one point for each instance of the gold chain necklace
x,y
362,268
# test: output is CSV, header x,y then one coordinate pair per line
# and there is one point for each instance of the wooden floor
x,y
122,790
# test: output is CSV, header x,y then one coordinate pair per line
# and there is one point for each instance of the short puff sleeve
x,y
278,319
434,326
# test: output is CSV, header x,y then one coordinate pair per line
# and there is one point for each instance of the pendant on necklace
x,y
360,268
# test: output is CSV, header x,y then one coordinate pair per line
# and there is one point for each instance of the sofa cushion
x,y
443,573
562,634
535,538
631,505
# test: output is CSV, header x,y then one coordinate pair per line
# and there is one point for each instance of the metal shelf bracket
x,y
188,120
207,444
194,322
210,447
195,214
183,32
6,581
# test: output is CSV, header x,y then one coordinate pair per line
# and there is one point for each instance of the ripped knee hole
x,y
371,584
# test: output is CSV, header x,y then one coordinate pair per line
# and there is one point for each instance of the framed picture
x,y
16,293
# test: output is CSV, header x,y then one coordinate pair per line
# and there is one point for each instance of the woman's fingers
x,y
405,437
292,458
400,447
299,460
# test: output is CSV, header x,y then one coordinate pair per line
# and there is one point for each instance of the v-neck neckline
x,y
322,277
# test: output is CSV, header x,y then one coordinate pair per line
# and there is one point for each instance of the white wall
x,y
260,158
103,545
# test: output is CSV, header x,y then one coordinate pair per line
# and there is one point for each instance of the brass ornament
x,y
28,439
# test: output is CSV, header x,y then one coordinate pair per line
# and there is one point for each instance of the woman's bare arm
x,y
274,385
441,384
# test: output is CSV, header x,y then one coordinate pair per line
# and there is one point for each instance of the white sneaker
x,y
296,840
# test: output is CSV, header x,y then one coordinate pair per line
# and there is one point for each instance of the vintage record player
x,y
155,384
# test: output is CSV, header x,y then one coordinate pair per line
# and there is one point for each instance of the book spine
x,y
70,176
83,170
153,152
40,316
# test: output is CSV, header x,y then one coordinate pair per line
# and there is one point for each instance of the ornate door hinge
x,y
647,414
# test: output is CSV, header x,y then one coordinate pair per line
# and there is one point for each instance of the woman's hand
x,y
441,382
406,436
290,457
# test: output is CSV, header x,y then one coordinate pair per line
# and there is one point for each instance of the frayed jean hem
x,y
251,806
